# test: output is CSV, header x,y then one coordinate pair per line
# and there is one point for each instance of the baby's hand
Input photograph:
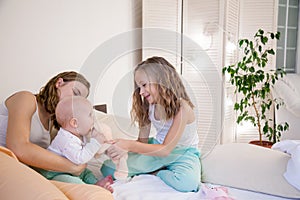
x,y
98,136
104,129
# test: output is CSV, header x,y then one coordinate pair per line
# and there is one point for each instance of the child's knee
x,y
182,183
187,184
108,168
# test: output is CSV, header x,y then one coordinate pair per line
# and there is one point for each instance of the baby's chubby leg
x,y
121,172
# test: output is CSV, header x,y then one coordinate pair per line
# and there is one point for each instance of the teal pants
x,y
180,170
85,177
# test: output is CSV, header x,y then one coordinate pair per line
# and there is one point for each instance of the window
x,y
288,14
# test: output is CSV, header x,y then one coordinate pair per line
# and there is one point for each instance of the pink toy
x,y
215,192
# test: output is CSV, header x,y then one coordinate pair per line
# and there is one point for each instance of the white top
x,y
38,134
189,136
71,147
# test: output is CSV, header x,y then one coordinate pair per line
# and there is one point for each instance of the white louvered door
x,y
161,30
202,53
231,31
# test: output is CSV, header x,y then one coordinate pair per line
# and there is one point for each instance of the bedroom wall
x,y
41,38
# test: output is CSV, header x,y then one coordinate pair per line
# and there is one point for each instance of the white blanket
x,y
292,147
149,187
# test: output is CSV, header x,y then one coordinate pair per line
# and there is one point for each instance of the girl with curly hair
x,y
160,100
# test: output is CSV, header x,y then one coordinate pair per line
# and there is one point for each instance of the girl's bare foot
x,y
106,183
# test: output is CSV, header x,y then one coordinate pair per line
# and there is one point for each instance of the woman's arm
x,y
183,117
21,107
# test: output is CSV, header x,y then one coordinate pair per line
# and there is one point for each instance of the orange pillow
x,y
18,181
83,191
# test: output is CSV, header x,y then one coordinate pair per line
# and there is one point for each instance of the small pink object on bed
x,y
215,192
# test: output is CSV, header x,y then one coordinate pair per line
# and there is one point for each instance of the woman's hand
x,y
78,169
118,148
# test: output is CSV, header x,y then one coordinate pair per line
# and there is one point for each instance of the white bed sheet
x,y
149,187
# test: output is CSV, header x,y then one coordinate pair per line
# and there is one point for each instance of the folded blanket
x,y
292,147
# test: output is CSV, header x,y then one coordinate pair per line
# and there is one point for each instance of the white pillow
x,y
121,126
249,167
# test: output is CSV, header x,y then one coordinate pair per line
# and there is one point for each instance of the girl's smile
x,y
147,89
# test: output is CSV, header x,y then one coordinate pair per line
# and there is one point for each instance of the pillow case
x,y
17,181
83,191
121,127
250,167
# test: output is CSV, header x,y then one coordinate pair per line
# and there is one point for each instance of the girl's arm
x,y
183,117
21,107
144,134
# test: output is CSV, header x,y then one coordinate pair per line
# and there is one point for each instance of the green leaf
x,y
251,45
265,128
271,51
224,70
236,106
277,35
259,48
264,40
241,42
254,55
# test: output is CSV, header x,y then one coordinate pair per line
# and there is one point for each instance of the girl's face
x,y
146,86
72,88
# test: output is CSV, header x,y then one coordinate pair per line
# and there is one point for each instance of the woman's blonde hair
x,y
48,96
169,86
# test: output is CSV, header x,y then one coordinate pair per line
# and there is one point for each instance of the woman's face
x,y
72,88
147,87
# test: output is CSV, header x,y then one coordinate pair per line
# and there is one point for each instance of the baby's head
x,y
75,114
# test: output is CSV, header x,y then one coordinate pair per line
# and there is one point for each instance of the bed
x,y
246,171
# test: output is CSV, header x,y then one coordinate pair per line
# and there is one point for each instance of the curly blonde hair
x,y
168,84
48,95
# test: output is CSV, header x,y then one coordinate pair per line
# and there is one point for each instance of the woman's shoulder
x,y
22,99
21,96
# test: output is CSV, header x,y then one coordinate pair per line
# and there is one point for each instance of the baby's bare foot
x,y
106,183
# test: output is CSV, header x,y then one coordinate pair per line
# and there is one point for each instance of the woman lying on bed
x,y
160,99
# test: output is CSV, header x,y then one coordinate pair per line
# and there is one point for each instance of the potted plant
x,y
253,83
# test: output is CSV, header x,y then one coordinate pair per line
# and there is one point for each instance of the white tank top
x,y
38,134
189,136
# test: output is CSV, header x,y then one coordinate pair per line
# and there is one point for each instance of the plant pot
x,y
263,143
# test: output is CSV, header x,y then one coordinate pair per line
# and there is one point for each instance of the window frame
x,y
286,27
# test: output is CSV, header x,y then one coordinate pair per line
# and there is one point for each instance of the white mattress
x,y
149,187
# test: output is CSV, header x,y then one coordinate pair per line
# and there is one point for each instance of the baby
x,y
79,139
